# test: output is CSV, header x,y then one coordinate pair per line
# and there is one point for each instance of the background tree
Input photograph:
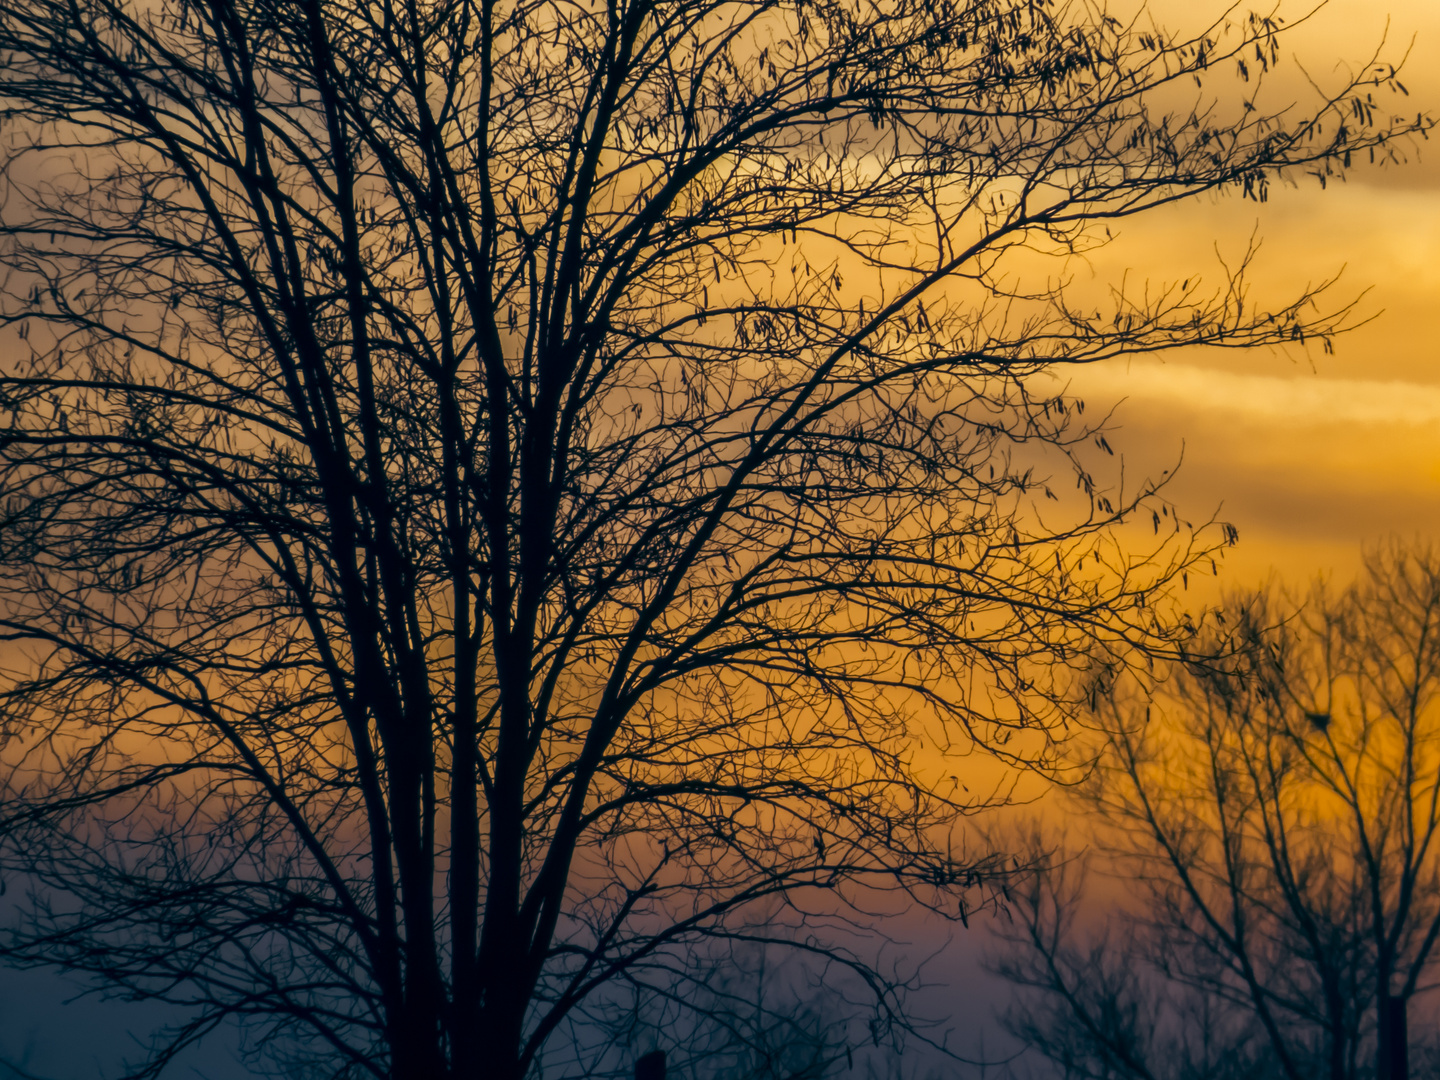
x,y
493,490
734,1009
1279,819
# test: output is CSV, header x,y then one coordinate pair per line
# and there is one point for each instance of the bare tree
x,y
735,1010
1279,816
492,491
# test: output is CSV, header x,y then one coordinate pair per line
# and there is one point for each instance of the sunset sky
x,y
1310,464
1311,456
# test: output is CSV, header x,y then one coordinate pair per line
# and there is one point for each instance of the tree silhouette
x,y
1276,823
492,491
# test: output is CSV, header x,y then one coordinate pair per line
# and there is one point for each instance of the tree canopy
x,y
1275,820
491,491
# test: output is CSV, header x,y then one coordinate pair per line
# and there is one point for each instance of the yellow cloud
x,y
1299,399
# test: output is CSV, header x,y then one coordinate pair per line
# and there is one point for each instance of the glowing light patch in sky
x,y
1302,399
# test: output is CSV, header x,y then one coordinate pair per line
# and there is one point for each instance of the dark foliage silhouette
x,y
1274,822
491,492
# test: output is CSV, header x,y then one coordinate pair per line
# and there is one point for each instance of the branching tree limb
x,y
1275,820
493,491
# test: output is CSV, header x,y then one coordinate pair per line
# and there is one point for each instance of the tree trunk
x,y
651,1066
1393,1051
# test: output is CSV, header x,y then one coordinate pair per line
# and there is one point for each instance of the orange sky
x,y
1310,464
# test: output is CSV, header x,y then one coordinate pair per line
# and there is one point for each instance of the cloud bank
x,y
1300,399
